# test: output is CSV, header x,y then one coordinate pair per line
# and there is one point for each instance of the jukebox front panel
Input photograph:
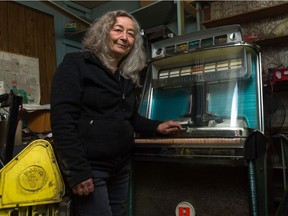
x,y
206,89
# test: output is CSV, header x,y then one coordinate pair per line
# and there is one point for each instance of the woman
x,y
93,114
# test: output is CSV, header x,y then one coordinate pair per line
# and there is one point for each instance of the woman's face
x,y
121,37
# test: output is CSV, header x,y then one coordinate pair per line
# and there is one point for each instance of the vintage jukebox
x,y
210,81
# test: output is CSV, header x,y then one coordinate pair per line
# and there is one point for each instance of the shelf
x,y
249,16
278,193
268,41
280,86
155,14
273,40
76,36
278,166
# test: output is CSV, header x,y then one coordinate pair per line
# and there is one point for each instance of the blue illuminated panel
x,y
224,92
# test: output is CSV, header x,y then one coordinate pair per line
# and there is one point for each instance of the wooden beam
x,y
67,13
189,8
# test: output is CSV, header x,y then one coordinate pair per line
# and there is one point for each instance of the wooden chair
x,y
14,103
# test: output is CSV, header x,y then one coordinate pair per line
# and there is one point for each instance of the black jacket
x,y
93,117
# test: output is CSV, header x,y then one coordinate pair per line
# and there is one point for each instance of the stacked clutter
x,y
72,27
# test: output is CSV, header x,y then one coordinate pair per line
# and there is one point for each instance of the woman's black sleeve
x,y
66,96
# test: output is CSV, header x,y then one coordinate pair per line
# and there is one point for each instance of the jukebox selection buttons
x,y
221,39
196,41
170,50
193,44
181,47
207,42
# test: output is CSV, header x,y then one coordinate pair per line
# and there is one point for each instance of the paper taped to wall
x,y
21,74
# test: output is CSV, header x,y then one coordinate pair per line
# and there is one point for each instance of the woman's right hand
x,y
169,127
84,188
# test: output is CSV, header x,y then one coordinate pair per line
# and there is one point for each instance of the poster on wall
x,y
20,74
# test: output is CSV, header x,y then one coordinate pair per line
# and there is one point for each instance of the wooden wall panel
x,y
40,41
16,28
29,32
50,56
3,26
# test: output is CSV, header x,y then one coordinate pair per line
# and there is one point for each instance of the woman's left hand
x,y
169,127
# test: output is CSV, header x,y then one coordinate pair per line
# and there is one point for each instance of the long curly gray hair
x,y
95,40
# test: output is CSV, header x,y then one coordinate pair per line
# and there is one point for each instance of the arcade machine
x,y
210,81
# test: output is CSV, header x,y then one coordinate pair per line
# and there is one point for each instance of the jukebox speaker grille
x,y
217,191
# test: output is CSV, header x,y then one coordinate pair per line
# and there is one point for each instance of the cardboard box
x,y
38,121
3,132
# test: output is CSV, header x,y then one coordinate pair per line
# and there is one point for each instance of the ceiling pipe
x,y
180,17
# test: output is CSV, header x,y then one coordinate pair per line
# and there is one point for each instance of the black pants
x,y
110,196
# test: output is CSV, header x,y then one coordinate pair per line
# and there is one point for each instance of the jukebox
x,y
210,81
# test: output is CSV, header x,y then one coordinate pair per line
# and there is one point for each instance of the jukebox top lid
x,y
219,36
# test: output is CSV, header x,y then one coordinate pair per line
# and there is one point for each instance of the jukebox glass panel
x,y
210,89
